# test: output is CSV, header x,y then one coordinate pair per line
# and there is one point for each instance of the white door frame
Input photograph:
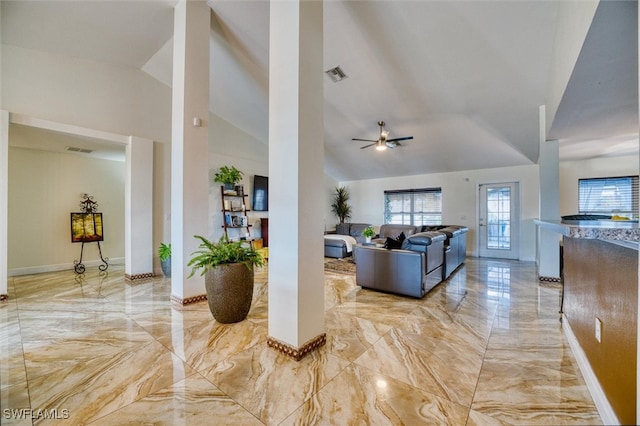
x,y
514,251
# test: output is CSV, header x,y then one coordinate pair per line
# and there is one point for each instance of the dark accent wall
x,y
601,280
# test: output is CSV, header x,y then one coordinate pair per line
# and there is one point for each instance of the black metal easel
x,y
88,206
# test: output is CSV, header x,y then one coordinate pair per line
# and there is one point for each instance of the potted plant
x,y
368,232
227,267
164,252
228,176
340,205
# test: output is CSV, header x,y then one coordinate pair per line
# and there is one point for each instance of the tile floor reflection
x,y
483,348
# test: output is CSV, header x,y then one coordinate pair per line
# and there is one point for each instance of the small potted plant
x,y
228,176
164,252
368,232
227,267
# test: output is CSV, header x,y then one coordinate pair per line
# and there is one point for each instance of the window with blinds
x,y
413,206
613,195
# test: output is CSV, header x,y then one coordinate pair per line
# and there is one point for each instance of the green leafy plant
x,y
228,175
164,251
340,205
211,255
369,232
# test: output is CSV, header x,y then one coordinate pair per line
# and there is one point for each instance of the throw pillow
x,y
390,243
394,243
401,238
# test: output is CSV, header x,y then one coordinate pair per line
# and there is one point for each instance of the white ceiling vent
x,y
336,74
82,150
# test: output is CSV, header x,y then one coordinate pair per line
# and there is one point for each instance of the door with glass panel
x,y
499,220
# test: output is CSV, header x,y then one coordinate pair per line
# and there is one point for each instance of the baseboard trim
x,y
139,277
605,410
549,279
60,267
297,353
189,300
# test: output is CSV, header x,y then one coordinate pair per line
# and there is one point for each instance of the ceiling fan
x,y
383,143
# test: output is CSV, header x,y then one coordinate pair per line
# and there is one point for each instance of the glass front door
x,y
498,221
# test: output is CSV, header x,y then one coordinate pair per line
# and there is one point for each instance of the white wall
x,y
459,199
571,171
44,188
232,146
99,96
84,93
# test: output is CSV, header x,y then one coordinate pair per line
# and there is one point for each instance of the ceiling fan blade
x,y
367,146
363,140
393,144
406,138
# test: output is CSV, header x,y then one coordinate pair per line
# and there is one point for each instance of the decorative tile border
x,y
4,297
137,277
302,351
549,279
188,300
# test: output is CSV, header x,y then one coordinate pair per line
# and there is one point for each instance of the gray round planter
x,y
166,267
229,291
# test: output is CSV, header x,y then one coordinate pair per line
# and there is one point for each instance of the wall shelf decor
x,y
234,213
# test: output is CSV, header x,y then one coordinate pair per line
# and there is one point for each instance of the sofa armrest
x,y
422,240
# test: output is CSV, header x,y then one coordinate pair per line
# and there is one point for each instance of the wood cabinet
x,y
264,230
234,214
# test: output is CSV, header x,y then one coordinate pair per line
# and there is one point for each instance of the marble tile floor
x,y
483,348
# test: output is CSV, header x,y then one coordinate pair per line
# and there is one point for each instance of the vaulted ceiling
x,y
464,78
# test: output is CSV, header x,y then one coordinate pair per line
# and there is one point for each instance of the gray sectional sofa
x,y
412,270
428,255
335,245
393,231
455,246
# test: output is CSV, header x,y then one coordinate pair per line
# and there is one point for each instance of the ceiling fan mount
x,y
383,143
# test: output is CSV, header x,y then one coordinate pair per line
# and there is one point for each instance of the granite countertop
x,y
626,233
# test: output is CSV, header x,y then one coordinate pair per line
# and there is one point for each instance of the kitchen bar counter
x,y
600,282
614,230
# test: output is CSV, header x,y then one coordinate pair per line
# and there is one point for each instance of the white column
x,y
548,241
138,206
4,200
189,143
296,161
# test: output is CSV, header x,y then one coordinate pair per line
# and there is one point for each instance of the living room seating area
x,y
339,243
402,259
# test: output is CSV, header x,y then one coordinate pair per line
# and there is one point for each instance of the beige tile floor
x,y
483,348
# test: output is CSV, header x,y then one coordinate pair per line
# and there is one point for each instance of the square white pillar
x,y
296,176
189,144
138,206
548,241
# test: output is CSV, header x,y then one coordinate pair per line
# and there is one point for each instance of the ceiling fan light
x,y
381,147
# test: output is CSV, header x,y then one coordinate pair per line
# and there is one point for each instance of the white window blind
x,y
413,206
612,195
